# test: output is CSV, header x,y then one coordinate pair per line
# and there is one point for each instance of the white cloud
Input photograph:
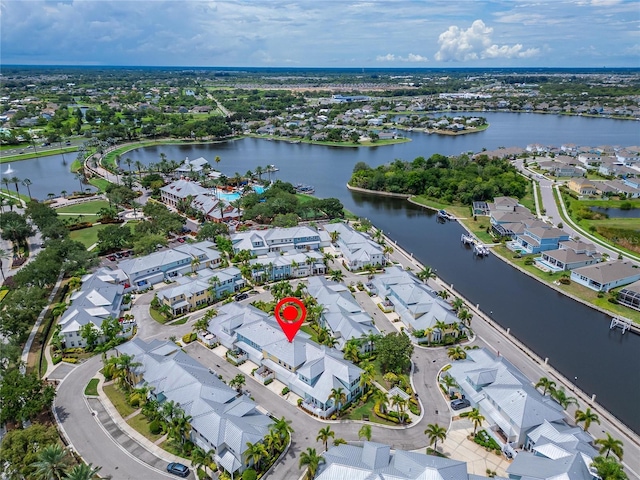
x,y
411,58
475,43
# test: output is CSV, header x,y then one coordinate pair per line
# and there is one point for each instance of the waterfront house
x,y
261,242
539,239
630,296
98,299
187,192
510,404
377,461
190,168
341,313
179,190
555,450
221,419
306,368
582,186
569,255
606,275
358,249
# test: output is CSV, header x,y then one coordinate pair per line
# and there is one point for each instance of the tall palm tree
x,y
27,183
546,384
128,161
365,432
338,396
449,382
609,469
476,418
457,304
367,376
80,177
282,427
587,417
400,403
443,294
381,401
15,181
352,351
435,432
426,273
256,452
465,316
259,171
560,396
336,275
170,410
335,235
139,167
199,458
312,461
6,182
324,434
52,462
83,472
609,445
4,255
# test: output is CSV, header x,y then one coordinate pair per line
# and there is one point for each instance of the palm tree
x,y
587,417
199,458
27,183
367,376
391,378
608,445
365,432
338,396
388,250
435,432
449,382
51,463
195,263
6,182
546,385
139,167
170,410
324,434
476,418
465,316
201,324
426,273
609,469
15,181
456,353
282,427
128,161
457,304
560,396
400,403
4,255
352,351
80,176
312,461
83,472
217,160
335,235
336,275
443,294
381,401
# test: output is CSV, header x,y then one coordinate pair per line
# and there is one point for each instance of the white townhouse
x,y
373,461
341,313
506,398
417,304
146,271
261,242
99,298
293,264
221,419
309,370
358,249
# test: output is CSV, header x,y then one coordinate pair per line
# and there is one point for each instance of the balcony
x,y
263,374
237,357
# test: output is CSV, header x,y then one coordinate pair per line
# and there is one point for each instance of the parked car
x,y
111,257
241,296
460,403
178,469
181,240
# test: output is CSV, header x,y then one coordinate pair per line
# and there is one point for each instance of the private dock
x,y
623,323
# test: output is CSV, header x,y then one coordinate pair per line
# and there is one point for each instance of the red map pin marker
x,y
290,313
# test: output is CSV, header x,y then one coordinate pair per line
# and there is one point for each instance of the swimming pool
x,y
230,197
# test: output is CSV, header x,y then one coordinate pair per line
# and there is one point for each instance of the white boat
x,y
272,168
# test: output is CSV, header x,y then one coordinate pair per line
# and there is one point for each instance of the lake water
x,y
618,213
575,338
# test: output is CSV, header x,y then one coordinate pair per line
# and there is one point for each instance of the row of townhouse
x,y
279,266
263,242
528,425
341,314
417,305
144,272
221,419
99,298
627,186
358,249
309,370
201,199
203,288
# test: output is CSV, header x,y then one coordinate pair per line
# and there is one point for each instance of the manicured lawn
x,y
119,400
157,316
168,446
86,208
92,387
141,424
100,183
87,236
367,409
460,211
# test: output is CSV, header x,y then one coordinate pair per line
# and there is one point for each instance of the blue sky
x,y
322,33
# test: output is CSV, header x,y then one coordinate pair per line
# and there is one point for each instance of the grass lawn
x,y
479,228
119,400
168,446
310,331
100,183
141,424
460,211
157,316
367,409
86,208
92,387
87,236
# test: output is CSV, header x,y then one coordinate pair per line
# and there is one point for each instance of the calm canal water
x,y
575,338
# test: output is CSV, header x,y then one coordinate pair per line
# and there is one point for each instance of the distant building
x,y
261,242
357,248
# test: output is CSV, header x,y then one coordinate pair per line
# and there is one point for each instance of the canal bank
x,y
531,364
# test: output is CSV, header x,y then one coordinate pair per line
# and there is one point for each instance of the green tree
x,y
14,227
546,384
609,445
394,352
560,396
435,433
339,397
148,244
90,333
336,275
20,448
609,469
114,237
426,273
238,381
312,461
83,472
400,403
256,452
586,417
24,397
476,418
381,400
456,353
52,462
110,328
324,434
210,230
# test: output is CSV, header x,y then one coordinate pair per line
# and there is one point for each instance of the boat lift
x,y
622,323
